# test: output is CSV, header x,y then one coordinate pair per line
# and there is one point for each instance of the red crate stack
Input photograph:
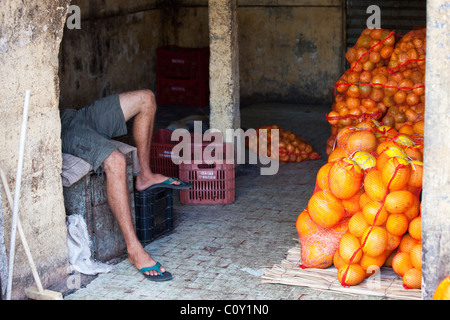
x,y
182,76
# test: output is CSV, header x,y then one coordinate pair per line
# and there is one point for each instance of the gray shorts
x,y
86,132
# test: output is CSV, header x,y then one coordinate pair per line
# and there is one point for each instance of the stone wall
x,y
289,51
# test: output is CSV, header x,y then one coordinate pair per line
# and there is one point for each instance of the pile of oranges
x,y
290,148
385,82
365,205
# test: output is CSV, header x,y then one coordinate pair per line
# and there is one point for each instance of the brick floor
x,y
220,251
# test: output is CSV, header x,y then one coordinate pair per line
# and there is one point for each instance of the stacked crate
x,y
182,76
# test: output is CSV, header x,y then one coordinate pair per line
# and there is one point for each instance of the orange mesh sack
x,y
405,89
318,244
291,148
384,82
335,199
355,100
388,205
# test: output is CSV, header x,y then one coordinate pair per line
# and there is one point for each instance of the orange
x,y
416,177
386,154
396,173
364,159
407,243
345,178
357,224
406,129
349,248
419,127
343,136
337,154
305,226
373,186
412,279
363,200
389,256
416,256
414,153
375,213
413,210
372,264
322,176
374,241
397,224
386,144
341,228
325,209
351,205
415,228
398,201
351,275
362,140
401,263
393,242
333,118
315,255
337,260
443,290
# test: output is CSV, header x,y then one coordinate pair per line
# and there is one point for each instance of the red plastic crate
x,y
211,183
160,153
194,93
179,62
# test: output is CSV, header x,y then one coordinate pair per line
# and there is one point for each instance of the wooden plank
x,y
384,284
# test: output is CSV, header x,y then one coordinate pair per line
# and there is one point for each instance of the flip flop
x,y
168,184
166,276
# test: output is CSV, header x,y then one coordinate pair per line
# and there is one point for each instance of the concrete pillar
x,y
436,180
224,65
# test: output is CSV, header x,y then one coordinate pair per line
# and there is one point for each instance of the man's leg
x,y
119,202
141,105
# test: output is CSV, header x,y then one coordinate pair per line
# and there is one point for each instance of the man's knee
x,y
115,163
149,98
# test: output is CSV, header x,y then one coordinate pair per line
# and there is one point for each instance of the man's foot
x,y
144,182
141,259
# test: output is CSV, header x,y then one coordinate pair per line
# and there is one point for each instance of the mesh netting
x,y
364,202
385,82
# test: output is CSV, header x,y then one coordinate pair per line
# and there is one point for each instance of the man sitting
x,y
86,133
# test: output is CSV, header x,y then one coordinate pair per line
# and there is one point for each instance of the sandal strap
x,y
155,267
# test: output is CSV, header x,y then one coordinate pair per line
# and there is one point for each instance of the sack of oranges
x,y
339,185
358,95
369,190
388,206
291,148
385,81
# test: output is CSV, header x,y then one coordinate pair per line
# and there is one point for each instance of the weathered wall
x,y
114,50
30,36
289,50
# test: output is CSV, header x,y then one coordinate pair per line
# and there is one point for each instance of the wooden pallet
x,y
386,283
